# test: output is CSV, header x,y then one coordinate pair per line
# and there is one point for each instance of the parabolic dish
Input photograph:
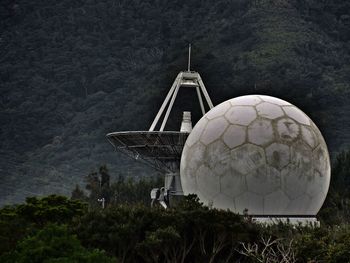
x,y
160,150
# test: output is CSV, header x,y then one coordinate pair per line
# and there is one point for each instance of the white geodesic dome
x,y
258,153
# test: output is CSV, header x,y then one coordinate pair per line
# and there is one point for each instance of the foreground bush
x,y
52,244
56,229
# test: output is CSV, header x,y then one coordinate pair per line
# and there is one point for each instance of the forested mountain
x,y
73,70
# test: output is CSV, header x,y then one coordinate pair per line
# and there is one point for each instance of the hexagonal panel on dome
x,y
324,179
222,201
287,129
278,155
218,157
234,135
275,203
218,111
300,206
223,166
250,100
253,202
309,136
317,184
316,203
247,158
233,184
274,100
301,156
241,115
326,182
189,184
196,132
184,158
260,132
296,114
263,180
214,129
321,159
268,110
293,181
208,184
193,157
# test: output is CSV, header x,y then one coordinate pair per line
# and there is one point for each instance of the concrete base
x,y
302,221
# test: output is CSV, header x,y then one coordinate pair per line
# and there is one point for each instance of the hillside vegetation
x,y
73,70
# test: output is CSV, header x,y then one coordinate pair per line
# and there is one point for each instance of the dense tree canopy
x,y
52,244
189,232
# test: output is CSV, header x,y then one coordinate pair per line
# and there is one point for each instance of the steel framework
x,y
160,150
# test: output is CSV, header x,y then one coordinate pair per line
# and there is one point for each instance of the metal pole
x,y
160,112
200,100
170,106
189,58
206,95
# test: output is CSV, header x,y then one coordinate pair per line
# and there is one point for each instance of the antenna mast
x,y
189,58
187,79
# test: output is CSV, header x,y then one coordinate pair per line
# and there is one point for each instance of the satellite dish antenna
x,y
162,149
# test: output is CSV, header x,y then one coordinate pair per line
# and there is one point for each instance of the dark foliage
x,y
20,220
124,190
187,233
158,235
52,244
